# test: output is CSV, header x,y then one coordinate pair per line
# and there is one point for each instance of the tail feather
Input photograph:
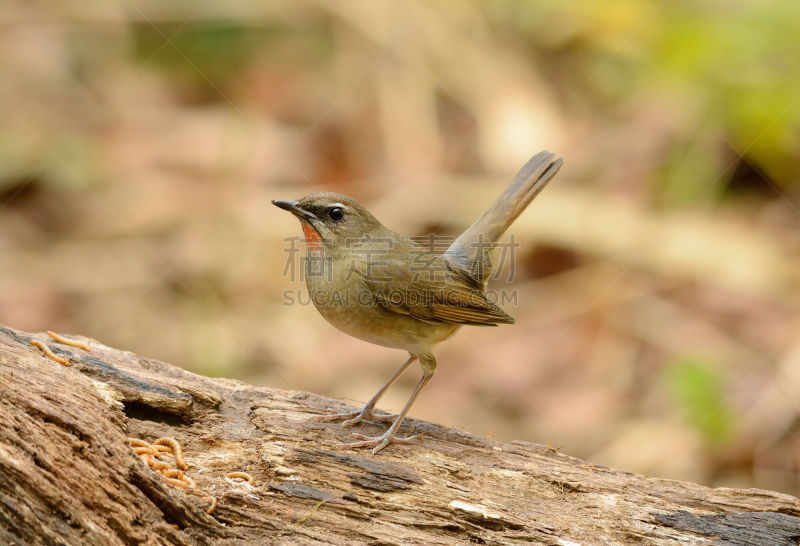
x,y
471,252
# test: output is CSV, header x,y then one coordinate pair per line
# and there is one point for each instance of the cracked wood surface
x,y
68,475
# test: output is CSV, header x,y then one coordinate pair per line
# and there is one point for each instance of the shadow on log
x,y
68,474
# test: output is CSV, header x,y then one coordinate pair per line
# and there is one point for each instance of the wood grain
x,y
68,474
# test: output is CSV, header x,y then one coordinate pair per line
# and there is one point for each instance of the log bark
x,y
69,476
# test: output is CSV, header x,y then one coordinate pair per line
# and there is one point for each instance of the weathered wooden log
x,y
68,474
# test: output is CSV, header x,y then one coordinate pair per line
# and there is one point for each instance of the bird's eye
x,y
336,214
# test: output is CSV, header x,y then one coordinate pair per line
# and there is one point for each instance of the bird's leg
x,y
354,417
388,437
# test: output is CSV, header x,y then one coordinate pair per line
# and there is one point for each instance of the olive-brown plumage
x,y
382,287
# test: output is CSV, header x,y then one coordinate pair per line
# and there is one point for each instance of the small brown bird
x,y
382,287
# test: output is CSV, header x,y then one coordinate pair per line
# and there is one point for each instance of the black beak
x,y
294,208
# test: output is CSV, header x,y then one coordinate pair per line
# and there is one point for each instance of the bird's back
x,y
412,280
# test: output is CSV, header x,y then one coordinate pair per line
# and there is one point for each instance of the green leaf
x,y
695,387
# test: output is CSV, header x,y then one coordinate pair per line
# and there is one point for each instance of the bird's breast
x,y
337,289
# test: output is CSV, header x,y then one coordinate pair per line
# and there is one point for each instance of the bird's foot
x,y
353,417
379,442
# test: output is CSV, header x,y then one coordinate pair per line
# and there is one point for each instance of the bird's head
x,y
330,219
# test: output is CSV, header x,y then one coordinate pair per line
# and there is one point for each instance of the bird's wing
x,y
427,288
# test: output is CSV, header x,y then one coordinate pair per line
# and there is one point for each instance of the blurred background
x,y
656,280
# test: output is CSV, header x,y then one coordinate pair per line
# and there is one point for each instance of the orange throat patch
x,y
313,239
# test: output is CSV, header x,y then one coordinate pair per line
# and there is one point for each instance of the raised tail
x,y
471,252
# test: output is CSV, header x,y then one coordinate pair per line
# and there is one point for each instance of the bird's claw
x,y
353,417
384,417
378,442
